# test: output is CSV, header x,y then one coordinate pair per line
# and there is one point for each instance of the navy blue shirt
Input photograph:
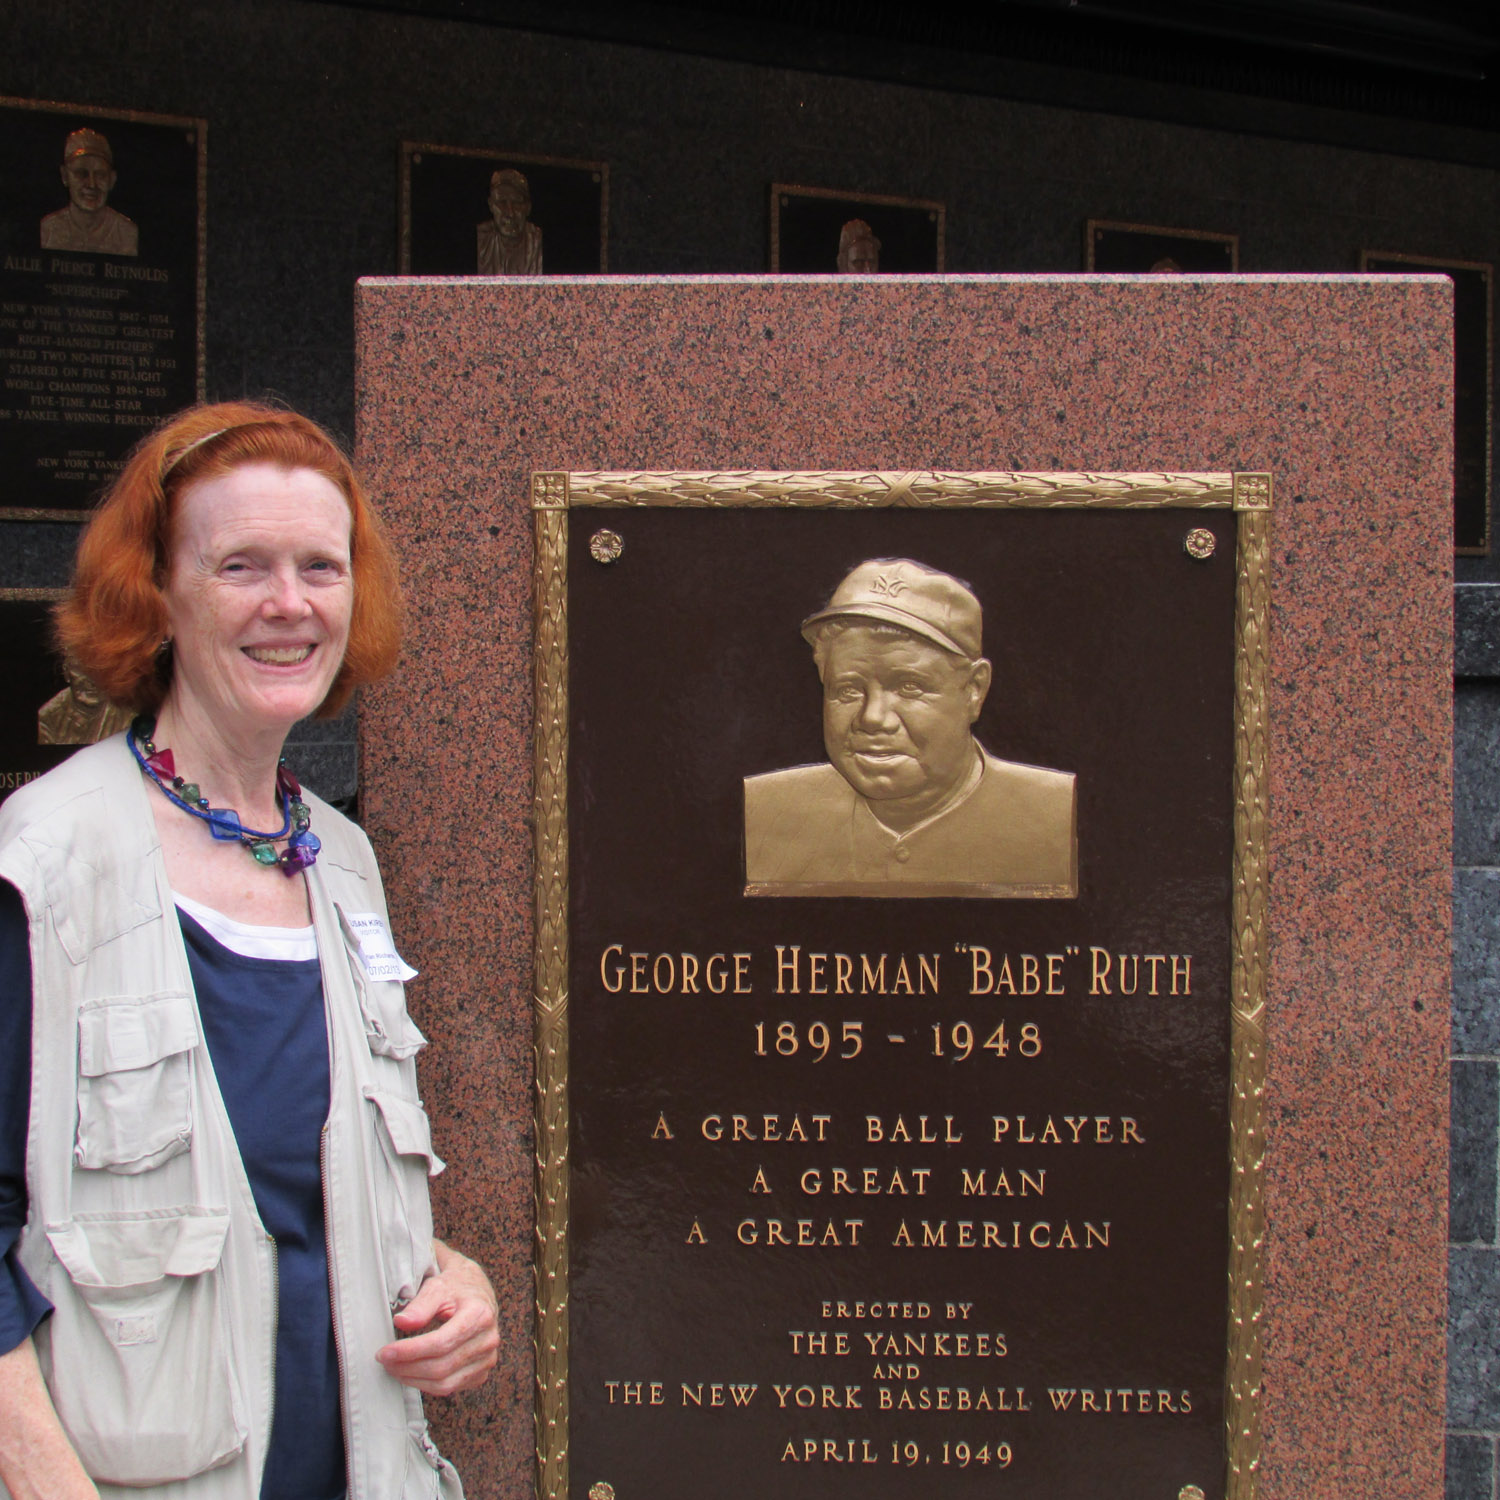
x,y
267,1036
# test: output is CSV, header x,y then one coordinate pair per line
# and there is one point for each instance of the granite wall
x,y
1474,1250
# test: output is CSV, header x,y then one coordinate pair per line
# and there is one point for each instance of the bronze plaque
x,y
1149,248
826,231
101,294
467,211
34,678
898,976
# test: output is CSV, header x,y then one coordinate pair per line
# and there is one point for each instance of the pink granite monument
x,y
1338,387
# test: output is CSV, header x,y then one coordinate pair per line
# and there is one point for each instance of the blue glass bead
x,y
224,823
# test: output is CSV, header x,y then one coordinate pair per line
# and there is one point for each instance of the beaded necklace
x,y
302,844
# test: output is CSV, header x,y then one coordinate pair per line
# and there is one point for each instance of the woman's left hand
x,y
454,1337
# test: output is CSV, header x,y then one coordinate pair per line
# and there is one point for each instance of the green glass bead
x,y
300,814
265,854
190,791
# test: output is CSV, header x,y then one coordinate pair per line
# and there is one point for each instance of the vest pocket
x,y
389,1028
134,1081
140,1365
401,1201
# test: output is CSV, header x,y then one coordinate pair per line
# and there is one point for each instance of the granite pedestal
x,y
1340,387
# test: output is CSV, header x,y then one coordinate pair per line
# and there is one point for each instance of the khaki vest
x,y
141,1229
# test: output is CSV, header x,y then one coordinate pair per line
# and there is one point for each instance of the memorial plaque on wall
x,y
817,230
33,677
900,870
101,294
474,212
1141,248
1473,419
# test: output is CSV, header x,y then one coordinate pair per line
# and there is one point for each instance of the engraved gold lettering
x,y
760,1185
718,1393
843,974
786,968
696,1235
973,1185
770,1128
834,1234
1099,978
1122,1401
1007,1128
817,1342
981,977
663,1131
606,969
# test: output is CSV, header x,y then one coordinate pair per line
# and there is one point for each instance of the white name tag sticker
x,y
377,950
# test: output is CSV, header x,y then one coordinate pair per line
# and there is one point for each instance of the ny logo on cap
x,y
889,584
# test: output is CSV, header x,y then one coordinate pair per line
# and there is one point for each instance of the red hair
x,y
114,617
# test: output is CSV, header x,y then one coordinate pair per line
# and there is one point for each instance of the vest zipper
x,y
333,1307
275,1330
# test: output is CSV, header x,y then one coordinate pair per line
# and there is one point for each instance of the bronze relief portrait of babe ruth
x,y
908,803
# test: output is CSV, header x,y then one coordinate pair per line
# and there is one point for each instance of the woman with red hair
x,y
219,1274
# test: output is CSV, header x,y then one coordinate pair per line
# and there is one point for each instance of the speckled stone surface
x,y
1337,386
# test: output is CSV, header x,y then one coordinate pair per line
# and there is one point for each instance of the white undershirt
x,y
289,943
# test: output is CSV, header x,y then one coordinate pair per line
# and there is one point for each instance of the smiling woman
x,y
208,1221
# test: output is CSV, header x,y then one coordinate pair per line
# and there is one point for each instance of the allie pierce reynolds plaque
x,y
899,971
101,294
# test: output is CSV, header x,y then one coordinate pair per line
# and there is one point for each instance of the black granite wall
x,y
306,105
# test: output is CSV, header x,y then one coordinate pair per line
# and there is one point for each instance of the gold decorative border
x,y
551,1019
780,190
1439,264
32,595
199,128
916,489
1250,496
1247,1071
1216,236
411,149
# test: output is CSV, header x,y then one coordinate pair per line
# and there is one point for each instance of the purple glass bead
x,y
301,851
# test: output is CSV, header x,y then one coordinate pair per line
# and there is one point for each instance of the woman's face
x,y
259,592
